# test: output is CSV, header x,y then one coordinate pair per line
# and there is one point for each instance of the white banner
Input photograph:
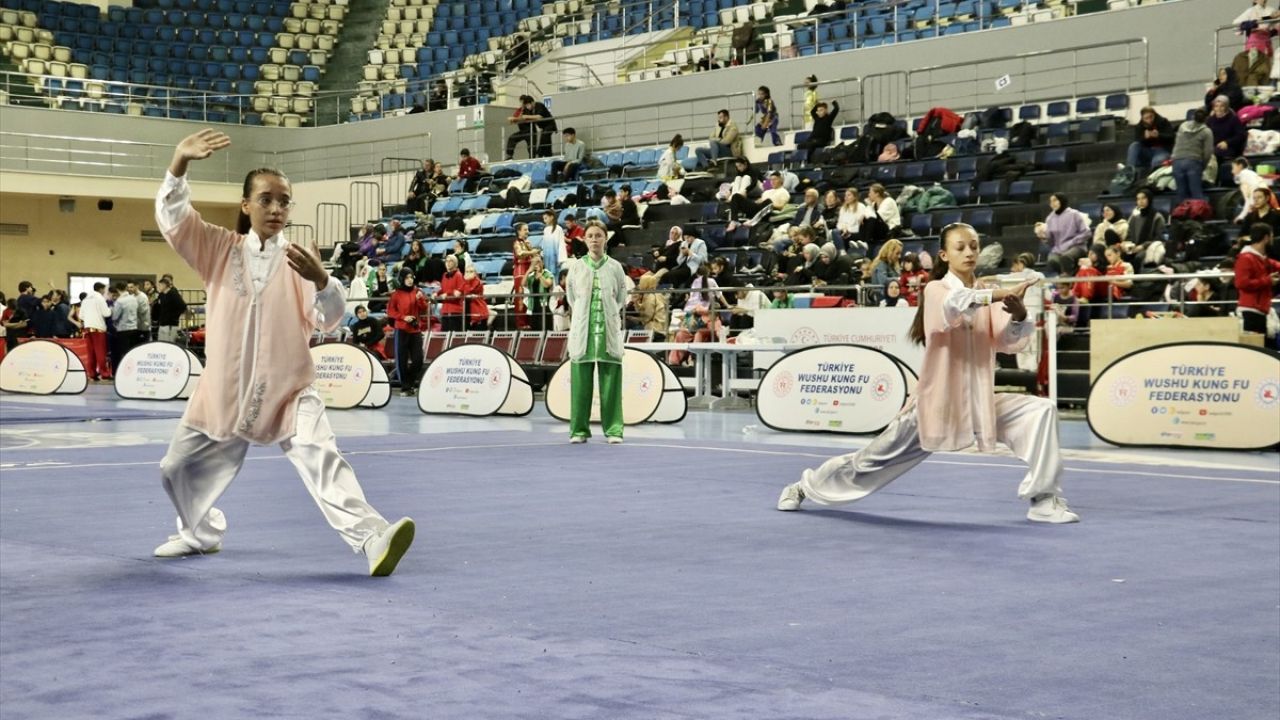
x,y
475,380
881,328
651,392
1195,394
348,376
158,371
41,367
833,388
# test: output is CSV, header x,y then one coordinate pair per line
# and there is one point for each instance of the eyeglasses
x,y
265,202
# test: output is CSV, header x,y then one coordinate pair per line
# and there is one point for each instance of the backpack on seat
x,y
1198,210
1124,182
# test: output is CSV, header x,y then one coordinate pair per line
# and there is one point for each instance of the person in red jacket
x,y
1088,267
408,308
450,294
1256,277
477,309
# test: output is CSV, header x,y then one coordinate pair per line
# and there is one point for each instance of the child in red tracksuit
x,y
1256,278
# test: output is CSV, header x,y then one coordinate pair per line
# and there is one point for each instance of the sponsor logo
x,y
1268,394
495,378
881,387
646,384
784,384
835,423
1123,391
805,336
1171,435
1206,436
1204,411
436,377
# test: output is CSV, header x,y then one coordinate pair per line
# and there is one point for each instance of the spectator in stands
x,y
553,237
612,210
806,268
1091,267
379,285
651,309
367,332
536,128
1118,289
809,214
669,167
421,191
885,207
781,300
747,302
370,236
700,322
1192,151
393,249
1247,181
44,320
408,309
1262,209
93,322
853,213
885,267
439,98
723,276
1113,227
64,322
596,291
893,295
773,199
914,278
468,168
831,207
536,287
574,247
522,253
1229,137
461,253
1206,298
691,255
830,269
810,95
124,316
416,259
169,310
630,212
744,181
1256,278
725,139
1146,224
766,116
822,133
1064,234
574,155
1227,85
477,310
16,324
450,296
1152,141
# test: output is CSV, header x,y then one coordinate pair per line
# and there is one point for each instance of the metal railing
x,y
1228,42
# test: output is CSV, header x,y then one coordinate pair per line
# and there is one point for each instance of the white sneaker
x,y
176,547
577,439
1051,509
791,497
385,549
614,440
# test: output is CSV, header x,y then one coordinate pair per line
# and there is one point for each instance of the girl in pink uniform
x,y
256,387
961,325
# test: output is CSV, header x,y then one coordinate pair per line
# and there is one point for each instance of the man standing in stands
x,y
169,309
536,125
1256,278
575,154
822,133
93,320
725,141
420,195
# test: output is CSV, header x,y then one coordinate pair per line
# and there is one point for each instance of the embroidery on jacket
x,y
255,407
237,271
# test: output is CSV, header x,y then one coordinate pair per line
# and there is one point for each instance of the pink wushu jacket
x,y
257,352
956,394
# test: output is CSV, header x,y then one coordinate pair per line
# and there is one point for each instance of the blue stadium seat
x,y
1059,109
1087,106
1030,113
1117,103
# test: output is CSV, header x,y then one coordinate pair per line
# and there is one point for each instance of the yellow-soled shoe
x,y
385,549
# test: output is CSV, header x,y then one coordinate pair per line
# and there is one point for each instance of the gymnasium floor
x,y
648,580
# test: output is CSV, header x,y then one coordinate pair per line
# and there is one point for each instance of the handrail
x,y
590,70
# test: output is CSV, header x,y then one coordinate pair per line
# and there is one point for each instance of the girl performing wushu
x,y
257,379
955,405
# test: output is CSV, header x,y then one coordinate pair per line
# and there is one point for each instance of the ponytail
x,y
940,270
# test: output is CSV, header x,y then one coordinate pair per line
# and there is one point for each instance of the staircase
x,y
346,66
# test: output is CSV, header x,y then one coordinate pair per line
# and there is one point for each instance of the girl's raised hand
x,y
203,144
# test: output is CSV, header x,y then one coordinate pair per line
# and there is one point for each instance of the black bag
x,y
1190,240
1022,135
992,119
503,173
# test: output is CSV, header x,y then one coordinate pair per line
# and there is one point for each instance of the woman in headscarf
x,y
1228,84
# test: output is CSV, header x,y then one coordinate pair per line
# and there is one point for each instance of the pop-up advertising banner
x,y
651,392
40,367
475,380
833,388
348,376
158,371
1195,394
876,327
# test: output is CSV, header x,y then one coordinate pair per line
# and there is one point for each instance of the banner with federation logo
x,y
833,388
475,380
158,371
876,327
651,392
41,367
1193,394
349,376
